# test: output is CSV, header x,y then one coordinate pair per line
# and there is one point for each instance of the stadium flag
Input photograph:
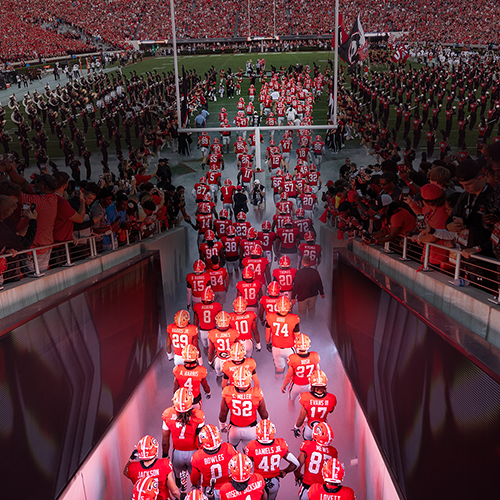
x,y
343,36
184,101
355,48
400,55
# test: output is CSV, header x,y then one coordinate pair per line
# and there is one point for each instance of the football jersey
x,y
283,329
266,457
241,228
181,337
317,409
206,314
246,246
246,174
197,282
184,437
275,161
208,465
253,491
231,246
213,176
288,237
204,222
324,492
220,226
230,367
227,193
303,225
190,379
243,323
303,366
223,340
243,405
269,303
204,141
284,207
218,279
313,178
249,291
279,220
277,183
316,455
258,265
312,250
285,278
201,190
160,469
207,251
308,200
266,240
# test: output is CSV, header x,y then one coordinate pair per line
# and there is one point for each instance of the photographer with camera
x,y
258,199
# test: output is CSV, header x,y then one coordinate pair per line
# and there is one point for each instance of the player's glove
x,y
208,395
269,347
258,346
222,426
134,455
296,431
170,355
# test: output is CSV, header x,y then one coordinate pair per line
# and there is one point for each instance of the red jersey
x,y
316,455
303,226
246,161
242,228
190,379
206,314
213,176
318,147
284,329
258,265
266,457
246,174
216,149
231,245
246,246
275,161
218,279
290,187
286,145
313,178
326,492
243,405
208,465
312,250
317,409
266,240
207,251
279,220
204,141
253,491
308,200
214,159
204,222
249,291
284,207
220,227
160,469
201,190
288,237
243,323
227,193
302,153
285,278
184,437
181,337
225,125
230,367
223,340
277,183
197,283
240,147
269,303
303,366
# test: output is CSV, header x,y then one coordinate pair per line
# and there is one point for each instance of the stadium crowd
x,y
115,22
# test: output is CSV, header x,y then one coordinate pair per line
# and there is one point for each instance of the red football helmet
x,y
266,226
279,172
227,182
285,262
242,378
237,352
208,295
183,400
181,318
199,267
283,306
248,273
288,177
240,468
284,195
216,140
204,208
265,431
333,471
287,221
203,180
302,343
209,235
190,354
272,142
323,434
239,305
224,214
222,320
300,212
209,437
318,138
147,448
240,138
273,289
309,236
241,217
251,233
230,231
256,250
318,378
308,189
146,488
207,199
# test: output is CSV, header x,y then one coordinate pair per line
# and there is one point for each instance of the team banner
x,y
355,48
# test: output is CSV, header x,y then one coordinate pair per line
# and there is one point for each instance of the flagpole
x,y
336,60
176,69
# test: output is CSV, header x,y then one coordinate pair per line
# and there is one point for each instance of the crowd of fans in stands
x,y
32,29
